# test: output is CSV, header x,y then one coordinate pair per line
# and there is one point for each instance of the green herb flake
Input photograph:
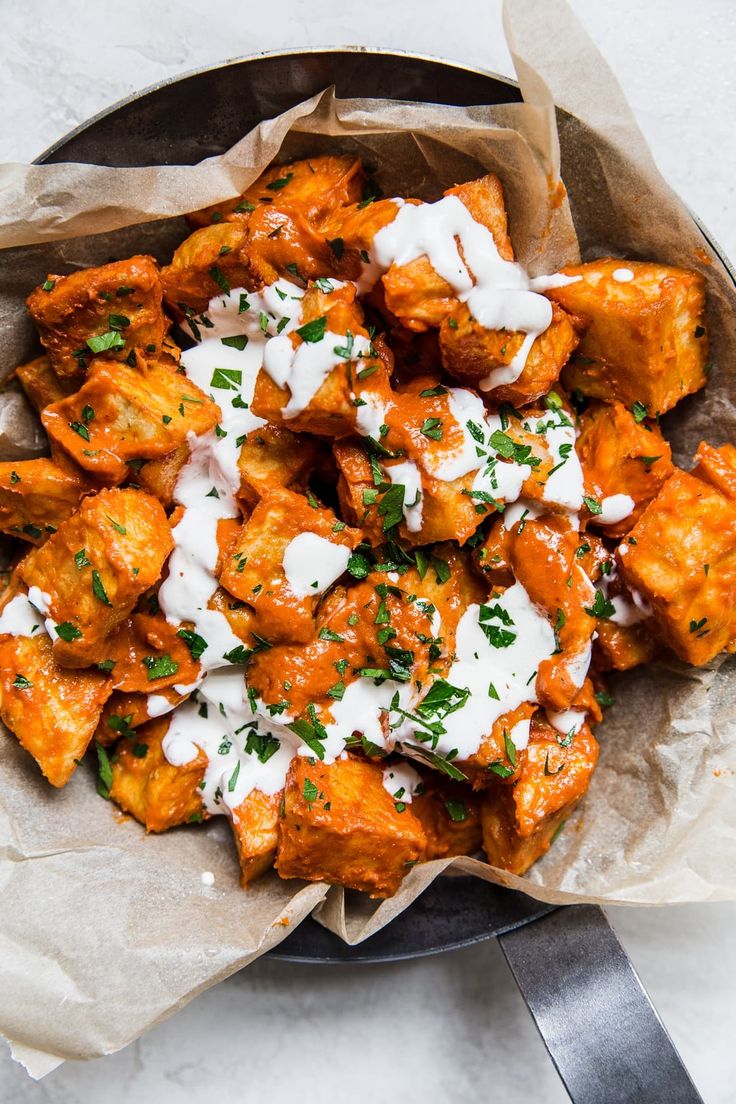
x,y
594,507
20,682
101,343
196,643
104,777
67,632
162,666
456,810
98,589
313,331
237,341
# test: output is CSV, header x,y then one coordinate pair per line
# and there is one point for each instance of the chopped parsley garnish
x,y
102,342
81,429
497,636
67,632
328,634
310,791
118,321
237,341
594,507
601,607
639,411
98,589
432,428
281,182
391,506
117,526
313,331
20,682
227,379
196,643
160,666
104,779
456,810
219,278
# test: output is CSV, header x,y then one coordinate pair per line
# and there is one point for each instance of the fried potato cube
x,y
41,383
333,410
107,311
91,572
473,355
273,456
521,821
315,186
36,496
681,558
159,477
149,655
717,466
621,647
255,571
52,712
122,414
255,826
341,826
227,255
151,789
621,456
645,340
415,292
450,816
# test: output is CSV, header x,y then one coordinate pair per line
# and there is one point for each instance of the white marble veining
x,y
467,1036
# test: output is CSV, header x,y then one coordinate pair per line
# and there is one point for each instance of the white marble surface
x,y
452,1028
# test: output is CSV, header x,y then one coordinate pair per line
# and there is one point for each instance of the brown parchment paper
x,y
104,931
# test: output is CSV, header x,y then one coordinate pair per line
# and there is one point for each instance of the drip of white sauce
x,y
401,781
511,670
370,416
623,275
629,612
158,705
408,473
615,508
555,280
567,720
21,618
519,734
498,293
312,564
305,368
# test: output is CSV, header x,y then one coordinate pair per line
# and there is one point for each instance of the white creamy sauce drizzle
x,y
370,416
519,734
305,368
623,275
615,508
21,618
401,781
629,612
158,705
407,473
312,564
567,720
499,293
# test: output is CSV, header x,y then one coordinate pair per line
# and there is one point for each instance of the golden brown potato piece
x,y
717,466
255,826
122,414
315,186
36,496
159,477
147,786
450,816
370,624
107,311
620,455
254,571
333,409
470,353
273,456
564,591
681,557
341,826
520,821
148,655
52,712
418,295
645,341
41,383
621,647
227,255
94,568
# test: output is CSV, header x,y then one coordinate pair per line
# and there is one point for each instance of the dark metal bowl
x,y
200,114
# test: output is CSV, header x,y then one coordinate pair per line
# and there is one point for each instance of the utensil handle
x,y
602,1032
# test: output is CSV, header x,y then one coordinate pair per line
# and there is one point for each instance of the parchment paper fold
x,y
105,931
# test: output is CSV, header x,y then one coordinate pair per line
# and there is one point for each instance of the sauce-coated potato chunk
x,y
107,311
520,821
255,826
122,414
621,647
340,825
52,712
477,356
93,569
315,186
149,655
41,383
151,789
36,496
645,340
683,562
450,817
621,456
256,573
273,456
